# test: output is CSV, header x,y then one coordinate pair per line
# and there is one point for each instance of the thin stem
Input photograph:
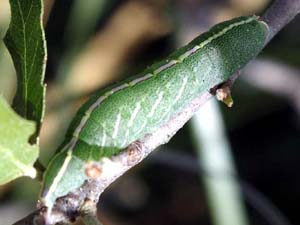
x,y
214,154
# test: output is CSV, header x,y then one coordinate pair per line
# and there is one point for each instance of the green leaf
x,y
26,44
16,154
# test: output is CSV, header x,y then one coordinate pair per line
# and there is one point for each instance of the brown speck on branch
x,y
92,170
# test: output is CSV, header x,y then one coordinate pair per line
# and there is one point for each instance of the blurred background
x,y
242,170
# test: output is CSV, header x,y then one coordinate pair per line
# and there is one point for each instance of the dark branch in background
x,y
277,16
32,219
176,159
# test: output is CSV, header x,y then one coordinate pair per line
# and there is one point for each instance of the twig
x,y
280,13
66,208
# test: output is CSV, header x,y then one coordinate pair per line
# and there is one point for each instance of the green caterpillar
x,y
120,115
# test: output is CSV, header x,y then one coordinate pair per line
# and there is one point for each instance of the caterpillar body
x,y
122,114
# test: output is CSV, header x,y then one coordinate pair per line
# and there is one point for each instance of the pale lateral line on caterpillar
x,y
60,173
185,79
104,139
134,114
166,66
134,82
117,125
156,104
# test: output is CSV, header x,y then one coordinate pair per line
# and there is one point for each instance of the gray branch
x,y
280,13
68,208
